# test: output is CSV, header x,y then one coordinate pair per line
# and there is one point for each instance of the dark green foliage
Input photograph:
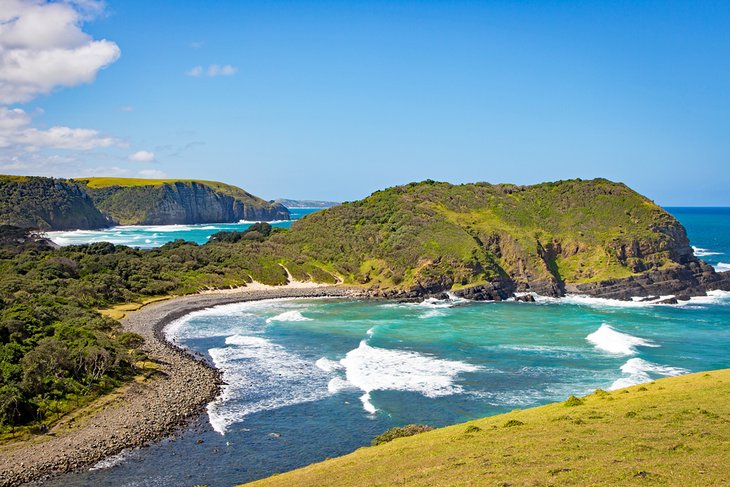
x,y
512,423
258,231
47,204
573,401
400,432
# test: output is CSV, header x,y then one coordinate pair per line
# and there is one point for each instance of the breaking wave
x,y
261,376
616,343
639,371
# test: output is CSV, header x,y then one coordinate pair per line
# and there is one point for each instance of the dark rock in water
x,y
694,278
493,291
526,298
668,301
649,298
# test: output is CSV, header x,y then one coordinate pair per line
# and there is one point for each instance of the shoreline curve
x,y
147,411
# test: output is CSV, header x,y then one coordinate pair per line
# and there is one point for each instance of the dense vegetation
x,y
539,236
674,431
47,204
56,350
54,345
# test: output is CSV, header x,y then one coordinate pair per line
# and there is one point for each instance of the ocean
x,y
315,378
149,236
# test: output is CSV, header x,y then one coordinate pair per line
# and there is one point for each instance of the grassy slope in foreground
x,y
674,431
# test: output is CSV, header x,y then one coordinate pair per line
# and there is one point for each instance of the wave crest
x,y
616,343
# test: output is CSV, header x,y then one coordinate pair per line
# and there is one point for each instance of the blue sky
x,y
334,100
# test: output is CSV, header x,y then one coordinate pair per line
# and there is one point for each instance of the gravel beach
x,y
145,411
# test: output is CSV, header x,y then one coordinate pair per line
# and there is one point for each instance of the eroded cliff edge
x,y
168,202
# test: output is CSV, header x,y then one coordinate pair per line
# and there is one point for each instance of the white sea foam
x,y
328,365
713,297
111,461
639,371
261,376
379,369
722,267
700,252
338,384
432,313
615,342
292,315
259,221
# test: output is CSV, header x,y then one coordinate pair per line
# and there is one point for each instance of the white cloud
x,y
195,72
225,70
212,71
42,47
16,132
152,173
142,156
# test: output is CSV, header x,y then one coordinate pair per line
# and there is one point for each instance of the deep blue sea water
x,y
310,379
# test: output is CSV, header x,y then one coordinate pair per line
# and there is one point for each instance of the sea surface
x,y
149,236
311,379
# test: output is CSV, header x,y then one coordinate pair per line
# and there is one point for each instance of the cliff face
x,y
47,204
181,202
487,241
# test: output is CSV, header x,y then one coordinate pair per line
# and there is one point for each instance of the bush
x,y
573,401
513,422
400,432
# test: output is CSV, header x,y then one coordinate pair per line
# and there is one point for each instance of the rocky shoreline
x,y
145,411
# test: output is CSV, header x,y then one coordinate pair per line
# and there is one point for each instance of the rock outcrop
x,y
692,279
154,202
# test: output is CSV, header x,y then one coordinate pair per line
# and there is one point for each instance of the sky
x,y
337,99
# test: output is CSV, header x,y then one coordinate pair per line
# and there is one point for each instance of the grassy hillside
x,y
674,431
539,236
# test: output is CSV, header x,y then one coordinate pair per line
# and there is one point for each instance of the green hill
x,y
177,201
47,204
498,239
674,431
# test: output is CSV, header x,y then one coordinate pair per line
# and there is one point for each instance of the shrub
x,y
400,432
513,422
573,401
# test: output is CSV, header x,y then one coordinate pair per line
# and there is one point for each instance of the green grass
x,y
674,431
104,182
108,182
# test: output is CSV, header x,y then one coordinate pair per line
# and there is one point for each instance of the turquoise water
x,y
148,236
310,379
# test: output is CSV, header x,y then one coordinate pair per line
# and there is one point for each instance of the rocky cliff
x,y
165,202
47,204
